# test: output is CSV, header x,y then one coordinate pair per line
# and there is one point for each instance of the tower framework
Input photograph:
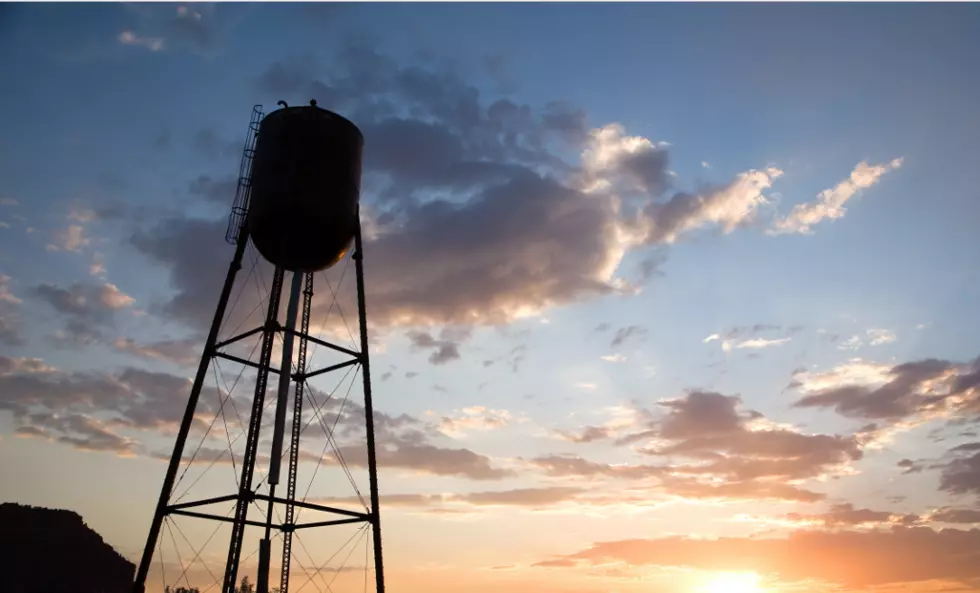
x,y
249,495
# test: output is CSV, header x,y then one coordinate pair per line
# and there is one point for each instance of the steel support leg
x,y
245,494
139,585
368,409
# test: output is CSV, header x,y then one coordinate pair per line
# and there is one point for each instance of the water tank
x,y
306,185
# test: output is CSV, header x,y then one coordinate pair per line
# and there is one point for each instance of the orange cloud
x,y
850,559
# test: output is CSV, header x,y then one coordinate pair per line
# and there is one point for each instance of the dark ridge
x,y
53,551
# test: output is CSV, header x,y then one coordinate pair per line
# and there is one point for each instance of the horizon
x,y
660,297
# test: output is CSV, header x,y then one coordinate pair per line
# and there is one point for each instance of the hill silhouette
x,y
53,551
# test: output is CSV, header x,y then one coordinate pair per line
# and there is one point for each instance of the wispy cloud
x,y
746,337
473,418
871,337
71,239
753,343
5,294
830,202
150,43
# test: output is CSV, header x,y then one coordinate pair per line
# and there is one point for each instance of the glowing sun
x,y
742,582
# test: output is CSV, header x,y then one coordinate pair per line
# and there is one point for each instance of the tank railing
x,y
239,208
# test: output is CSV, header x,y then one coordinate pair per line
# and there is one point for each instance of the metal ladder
x,y
239,208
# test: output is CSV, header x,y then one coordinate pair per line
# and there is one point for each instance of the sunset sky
x,y
662,298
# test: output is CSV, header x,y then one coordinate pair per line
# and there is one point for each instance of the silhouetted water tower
x,y
306,184
298,202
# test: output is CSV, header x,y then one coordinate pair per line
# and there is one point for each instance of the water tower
x,y
297,202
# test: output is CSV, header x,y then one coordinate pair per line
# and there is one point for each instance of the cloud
x,y
78,431
7,298
700,413
910,467
88,307
444,350
714,449
830,202
11,329
181,352
854,559
113,298
193,27
97,267
954,516
207,142
541,243
727,207
404,442
84,409
671,482
534,498
83,299
753,343
881,336
855,371
961,474
733,491
762,343
746,336
572,466
588,434
914,389
436,268
220,192
50,403
473,418
624,334
150,43
874,337
473,213
71,239
633,163
708,447
196,255
481,193
430,459
845,515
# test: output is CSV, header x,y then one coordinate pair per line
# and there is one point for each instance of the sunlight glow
x,y
732,583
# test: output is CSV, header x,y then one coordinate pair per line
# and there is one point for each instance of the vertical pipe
x,y
265,551
139,585
368,408
285,366
279,427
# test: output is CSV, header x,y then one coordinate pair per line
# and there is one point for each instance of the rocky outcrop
x,y
53,551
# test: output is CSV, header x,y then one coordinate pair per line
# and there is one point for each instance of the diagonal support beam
x,y
237,338
248,363
332,367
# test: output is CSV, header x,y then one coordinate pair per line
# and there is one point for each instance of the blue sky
x,y
799,180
